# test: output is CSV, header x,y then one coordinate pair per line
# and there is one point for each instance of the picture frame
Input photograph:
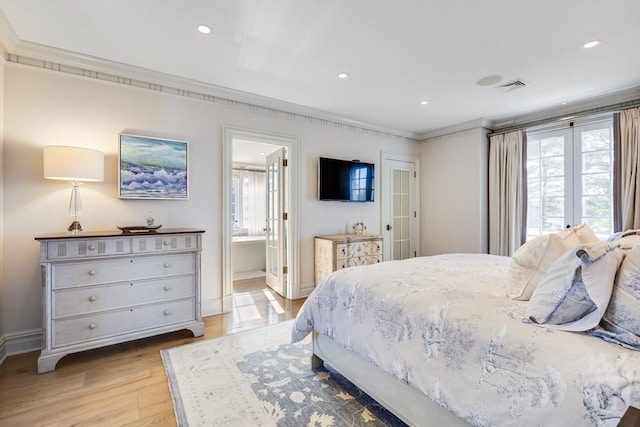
x,y
152,168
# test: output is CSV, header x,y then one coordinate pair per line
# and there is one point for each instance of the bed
x,y
437,341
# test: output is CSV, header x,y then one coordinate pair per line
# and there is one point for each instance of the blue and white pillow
x,y
574,293
621,320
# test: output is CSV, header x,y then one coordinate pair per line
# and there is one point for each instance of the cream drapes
x,y
629,180
507,192
251,200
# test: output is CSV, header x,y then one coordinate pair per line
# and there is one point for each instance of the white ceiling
x,y
453,53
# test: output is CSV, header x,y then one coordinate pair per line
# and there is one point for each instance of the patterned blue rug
x,y
256,378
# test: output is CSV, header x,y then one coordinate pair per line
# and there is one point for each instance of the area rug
x,y
256,378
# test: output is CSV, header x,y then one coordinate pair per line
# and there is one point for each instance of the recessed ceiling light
x,y
343,75
424,102
204,29
592,43
262,153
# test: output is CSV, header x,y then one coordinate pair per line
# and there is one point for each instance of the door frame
x,y
385,157
291,203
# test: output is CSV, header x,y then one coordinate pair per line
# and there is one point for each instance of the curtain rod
x,y
249,170
569,117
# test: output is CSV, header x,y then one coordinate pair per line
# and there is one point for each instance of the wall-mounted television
x,y
345,180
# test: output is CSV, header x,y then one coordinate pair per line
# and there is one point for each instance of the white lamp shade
x,y
73,163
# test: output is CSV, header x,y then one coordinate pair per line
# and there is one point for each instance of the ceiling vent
x,y
516,84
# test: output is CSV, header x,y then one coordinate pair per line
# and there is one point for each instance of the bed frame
x,y
403,401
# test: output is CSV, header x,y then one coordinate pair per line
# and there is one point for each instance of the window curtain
x,y
627,173
254,201
507,192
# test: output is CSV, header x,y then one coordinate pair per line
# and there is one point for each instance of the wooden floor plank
x,y
122,384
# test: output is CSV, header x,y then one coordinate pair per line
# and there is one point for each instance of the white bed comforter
x,y
444,325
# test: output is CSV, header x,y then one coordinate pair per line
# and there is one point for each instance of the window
x,y
248,202
570,178
360,183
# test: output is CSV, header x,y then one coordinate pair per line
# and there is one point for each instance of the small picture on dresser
x,y
152,168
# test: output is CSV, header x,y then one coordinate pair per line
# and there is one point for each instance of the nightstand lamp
x,y
73,164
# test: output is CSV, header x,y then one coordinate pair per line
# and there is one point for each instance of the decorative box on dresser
x,y
345,250
105,288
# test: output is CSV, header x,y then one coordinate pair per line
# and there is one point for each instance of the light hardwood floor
x,y
123,384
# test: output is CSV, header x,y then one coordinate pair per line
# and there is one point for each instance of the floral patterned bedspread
x,y
444,325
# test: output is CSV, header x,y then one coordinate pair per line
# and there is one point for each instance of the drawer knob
x,y
167,288
92,298
92,272
166,243
92,247
167,265
92,326
167,312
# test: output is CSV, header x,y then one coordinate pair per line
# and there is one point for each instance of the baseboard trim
x,y
211,306
24,342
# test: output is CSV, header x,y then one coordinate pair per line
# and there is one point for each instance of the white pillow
x,y
574,294
585,233
628,239
532,260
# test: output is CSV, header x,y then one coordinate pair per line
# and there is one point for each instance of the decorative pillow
x,y
531,261
628,239
585,233
573,295
621,320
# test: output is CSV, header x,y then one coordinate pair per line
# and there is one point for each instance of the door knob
x,y
388,227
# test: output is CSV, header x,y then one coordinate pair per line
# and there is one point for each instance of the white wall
x,y
454,193
2,109
47,107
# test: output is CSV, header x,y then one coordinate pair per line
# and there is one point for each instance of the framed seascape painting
x,y
152,168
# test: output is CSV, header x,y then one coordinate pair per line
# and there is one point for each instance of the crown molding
x,y
460,128
60,60
8,37
593,105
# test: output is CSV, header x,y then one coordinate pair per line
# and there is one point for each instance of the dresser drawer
x,y
93,272
101,325
76,301
356,261
64,249
356,249
164,243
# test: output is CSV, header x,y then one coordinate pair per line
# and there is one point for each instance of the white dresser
x,y
106,288
345,250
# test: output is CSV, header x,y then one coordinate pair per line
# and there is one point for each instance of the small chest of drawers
x,y
339,251
106,288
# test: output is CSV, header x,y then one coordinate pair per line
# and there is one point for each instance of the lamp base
x,y
75,226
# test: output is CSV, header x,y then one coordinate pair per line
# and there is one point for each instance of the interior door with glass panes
x,y
276,230
399,213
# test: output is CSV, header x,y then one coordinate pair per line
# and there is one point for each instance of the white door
x,y
399,214
276,229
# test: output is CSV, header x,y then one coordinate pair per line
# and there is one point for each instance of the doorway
x,y
400,191
244,235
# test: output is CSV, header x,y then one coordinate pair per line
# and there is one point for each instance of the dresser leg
x,y
48,363
197,330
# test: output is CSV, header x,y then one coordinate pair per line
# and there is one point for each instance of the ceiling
x,y
453,54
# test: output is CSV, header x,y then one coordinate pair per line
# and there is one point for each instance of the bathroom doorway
x,y
249,241
249,223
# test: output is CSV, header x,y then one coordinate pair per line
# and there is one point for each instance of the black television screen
x,y
345,180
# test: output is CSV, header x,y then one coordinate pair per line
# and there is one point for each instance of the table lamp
x,y
73,164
